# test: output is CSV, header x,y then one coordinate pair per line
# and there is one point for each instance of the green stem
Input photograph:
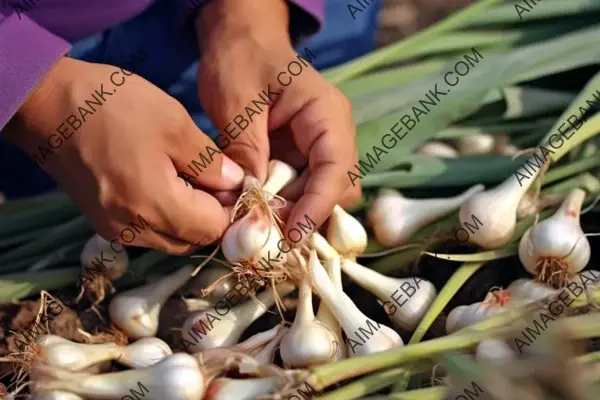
x,y
585,181
589,357
456,281
431,393
556,174
366,385
379,57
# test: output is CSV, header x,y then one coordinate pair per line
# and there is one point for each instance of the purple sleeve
x,y
27,53
306,16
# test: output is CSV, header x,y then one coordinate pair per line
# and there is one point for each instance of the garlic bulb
x,y
353,321
527,289
478,143
395,218
55,395
176,377
494,351
412,296
280,175
251,238
136,311
308,342
97,254
73,356
209,276
224,330
557,248
346,234
497,210
463,316
438,149
240,389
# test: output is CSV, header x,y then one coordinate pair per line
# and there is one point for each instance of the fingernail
x,y
232,173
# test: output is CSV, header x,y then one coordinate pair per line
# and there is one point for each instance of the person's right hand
x,y
123,161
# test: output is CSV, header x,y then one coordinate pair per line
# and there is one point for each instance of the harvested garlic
x,y
240,389
438,149
463,316
557,248
93,257
136,311
479,143
395,218
346,234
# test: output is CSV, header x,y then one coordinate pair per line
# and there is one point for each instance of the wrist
x,y
233,21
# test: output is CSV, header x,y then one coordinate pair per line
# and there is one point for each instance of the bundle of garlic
x,y
555,249
463,316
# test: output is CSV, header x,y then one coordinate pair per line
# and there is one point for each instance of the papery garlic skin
x,y
208,329
308,342
497,210
395,219
494,351
416,294
558,239
144,352
176,377
463,316
527,289
478,143
251,238
136,311
98,249
438,149
240,389
345,233
349,315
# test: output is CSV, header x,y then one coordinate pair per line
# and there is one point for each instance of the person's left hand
x,y
246,50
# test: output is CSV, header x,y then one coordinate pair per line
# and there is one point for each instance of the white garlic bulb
x,y
98,255
478,143
463,316
395,218
557,248
346,234
438,149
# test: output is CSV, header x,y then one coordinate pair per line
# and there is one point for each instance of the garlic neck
x,y
160,291
435,208
571,205
251,310
368,279
305,310
513,190
280,175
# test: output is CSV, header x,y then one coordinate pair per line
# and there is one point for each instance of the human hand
x,y
245,48
122,160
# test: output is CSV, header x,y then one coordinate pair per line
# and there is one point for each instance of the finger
x,y
200,162
246,141
295,190
351,197
162,242
188,214
228,198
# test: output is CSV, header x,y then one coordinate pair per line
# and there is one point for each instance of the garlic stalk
x,y
353,321
497,210
463,316
263,345
395,218
308,342
224,330
176,377
73,356
494,351
251,238
413,296
530,206
136,311
438,149
240,389
557,248
346,234
97,254
332,264
478,143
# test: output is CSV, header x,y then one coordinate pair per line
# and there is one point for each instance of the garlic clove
x,y
176,377
496,228
494,351
479,143
352,320
208,329
345,233
97,250
438,149
308,342
411,296
144,352
280,175
136,311
240,389
556,248
395,219
252,237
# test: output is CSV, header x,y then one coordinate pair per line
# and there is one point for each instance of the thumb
x,y
199,161
245,138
